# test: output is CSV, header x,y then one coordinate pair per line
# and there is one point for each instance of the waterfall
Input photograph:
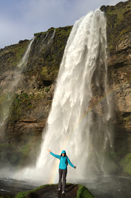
x,y
47,40
45,37
11,82
52,37
24,60
75,123
80,120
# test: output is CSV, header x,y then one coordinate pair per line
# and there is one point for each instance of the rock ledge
x,y
51,191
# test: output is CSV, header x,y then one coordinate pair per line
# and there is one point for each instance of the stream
x,y
109,186
100,187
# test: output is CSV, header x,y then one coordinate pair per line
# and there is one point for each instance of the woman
x,y
64,160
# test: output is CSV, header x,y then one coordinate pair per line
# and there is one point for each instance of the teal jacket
x,y
63,160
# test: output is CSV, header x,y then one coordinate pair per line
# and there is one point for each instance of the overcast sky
x,y
20,19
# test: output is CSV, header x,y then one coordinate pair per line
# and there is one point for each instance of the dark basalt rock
x,y
22,41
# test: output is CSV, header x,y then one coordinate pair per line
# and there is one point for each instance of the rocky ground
x,y
52,192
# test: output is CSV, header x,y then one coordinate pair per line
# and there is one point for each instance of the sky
x,y
20,19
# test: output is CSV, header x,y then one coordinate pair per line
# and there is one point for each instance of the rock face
x,y
32,96
119,61
119,70
30,99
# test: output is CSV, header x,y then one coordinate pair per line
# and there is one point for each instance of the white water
x,y
9,85
45,37
52,37
83,131
24,60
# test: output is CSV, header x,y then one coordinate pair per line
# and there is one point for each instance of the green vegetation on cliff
x,y
11,55
29,105
126,163
23,104
47,62
118,23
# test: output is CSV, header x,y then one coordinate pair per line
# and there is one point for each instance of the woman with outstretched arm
x,y
64,160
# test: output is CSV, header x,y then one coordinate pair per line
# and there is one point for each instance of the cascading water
x,y
47,40
75,123
45,37
53,35
24,60
12,80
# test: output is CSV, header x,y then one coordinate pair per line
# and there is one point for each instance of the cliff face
x,y
119,57
119,72
31,99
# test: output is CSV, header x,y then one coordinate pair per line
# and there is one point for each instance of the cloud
x,y
21,19
11,32
47,13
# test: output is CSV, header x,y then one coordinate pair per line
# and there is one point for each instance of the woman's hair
x,y
64,154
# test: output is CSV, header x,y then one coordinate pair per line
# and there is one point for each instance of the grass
x,y
24,194
83,192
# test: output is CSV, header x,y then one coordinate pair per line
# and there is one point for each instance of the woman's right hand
x,y
49,150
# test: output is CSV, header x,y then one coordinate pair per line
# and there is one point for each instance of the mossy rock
x,y
46,53
72,190
83,192
11,55
23,103
126,163
118,23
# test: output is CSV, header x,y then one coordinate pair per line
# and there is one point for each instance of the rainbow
x,y
54,174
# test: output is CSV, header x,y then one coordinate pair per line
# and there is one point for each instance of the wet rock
x,y
51,191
